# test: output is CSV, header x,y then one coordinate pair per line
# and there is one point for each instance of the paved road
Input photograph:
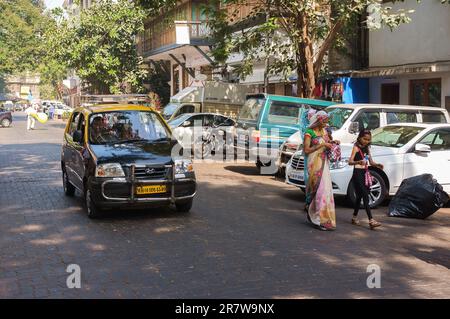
x,y
245,237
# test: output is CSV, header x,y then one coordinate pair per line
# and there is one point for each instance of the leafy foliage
x,y
100,46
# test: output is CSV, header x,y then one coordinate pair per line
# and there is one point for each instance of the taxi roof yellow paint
x,y
99,108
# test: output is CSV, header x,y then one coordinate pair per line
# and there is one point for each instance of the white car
x,y
188,128
60,109
405,150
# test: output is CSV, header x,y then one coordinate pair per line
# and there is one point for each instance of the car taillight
x,y
256,136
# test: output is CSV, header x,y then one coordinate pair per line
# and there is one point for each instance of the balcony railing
x,y
177,32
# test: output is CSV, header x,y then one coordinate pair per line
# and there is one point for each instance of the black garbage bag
x,y
418,197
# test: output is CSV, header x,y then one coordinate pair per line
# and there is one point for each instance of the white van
x,y
213,97
349,119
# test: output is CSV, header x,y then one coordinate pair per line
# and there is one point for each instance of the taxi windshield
x,y
125,127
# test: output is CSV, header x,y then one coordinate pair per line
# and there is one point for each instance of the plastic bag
x,y
418,197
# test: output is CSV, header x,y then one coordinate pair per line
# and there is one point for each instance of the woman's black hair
x,y
363,133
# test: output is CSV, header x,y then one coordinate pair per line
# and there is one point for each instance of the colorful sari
x,y
319,190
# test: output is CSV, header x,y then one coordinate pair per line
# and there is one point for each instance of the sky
x,y
50,4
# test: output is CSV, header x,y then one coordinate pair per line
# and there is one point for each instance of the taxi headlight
x,y
183,166
109,170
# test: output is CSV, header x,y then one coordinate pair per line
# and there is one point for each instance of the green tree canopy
x,y
22,25
99,45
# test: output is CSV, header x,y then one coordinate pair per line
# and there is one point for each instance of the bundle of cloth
x,y
41,117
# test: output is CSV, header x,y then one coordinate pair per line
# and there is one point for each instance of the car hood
x,y
135,153
376,151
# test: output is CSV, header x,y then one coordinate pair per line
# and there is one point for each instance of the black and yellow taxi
x,y
124,156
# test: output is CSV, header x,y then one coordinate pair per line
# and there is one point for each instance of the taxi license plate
x,y
297,176
150,189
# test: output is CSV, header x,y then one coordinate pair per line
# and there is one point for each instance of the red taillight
x,y
256,136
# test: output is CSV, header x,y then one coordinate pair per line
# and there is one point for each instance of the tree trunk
x,y
305,68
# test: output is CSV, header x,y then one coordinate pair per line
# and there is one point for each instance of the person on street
x,y
320,206
31,121
51,111
361,179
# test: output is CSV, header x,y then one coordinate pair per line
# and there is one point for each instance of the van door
x,y
280,120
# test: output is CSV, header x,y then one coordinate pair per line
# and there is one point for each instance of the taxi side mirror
x,y
78,137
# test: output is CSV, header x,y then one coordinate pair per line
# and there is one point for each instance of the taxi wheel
x,y
184,206
69,189
92,210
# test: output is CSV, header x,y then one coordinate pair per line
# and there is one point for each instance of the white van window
x,y
338,116
400,117
433,117
368,120
284,113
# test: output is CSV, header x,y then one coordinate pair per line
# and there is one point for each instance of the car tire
x,y
5,123
92,210
69,189
377,194
184,206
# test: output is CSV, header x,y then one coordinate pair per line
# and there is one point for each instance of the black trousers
x,y
362,191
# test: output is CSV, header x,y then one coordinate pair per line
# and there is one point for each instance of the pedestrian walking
x,y
320,206
31,121
51,111
361,179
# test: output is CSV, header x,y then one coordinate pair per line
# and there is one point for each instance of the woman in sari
x,y
319,192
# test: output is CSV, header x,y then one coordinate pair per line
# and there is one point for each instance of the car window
x,y
394,136
433,117
73,123
81,123
251,109
438,140
220,120
368,120
401,117
126,127
196,120
284,113
208,120
187,109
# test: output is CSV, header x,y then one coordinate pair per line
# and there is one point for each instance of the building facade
x,y
411,64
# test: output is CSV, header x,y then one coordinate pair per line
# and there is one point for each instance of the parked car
x,y
211,130
405,150
349,119
5,118
266,120
120,156
60,109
